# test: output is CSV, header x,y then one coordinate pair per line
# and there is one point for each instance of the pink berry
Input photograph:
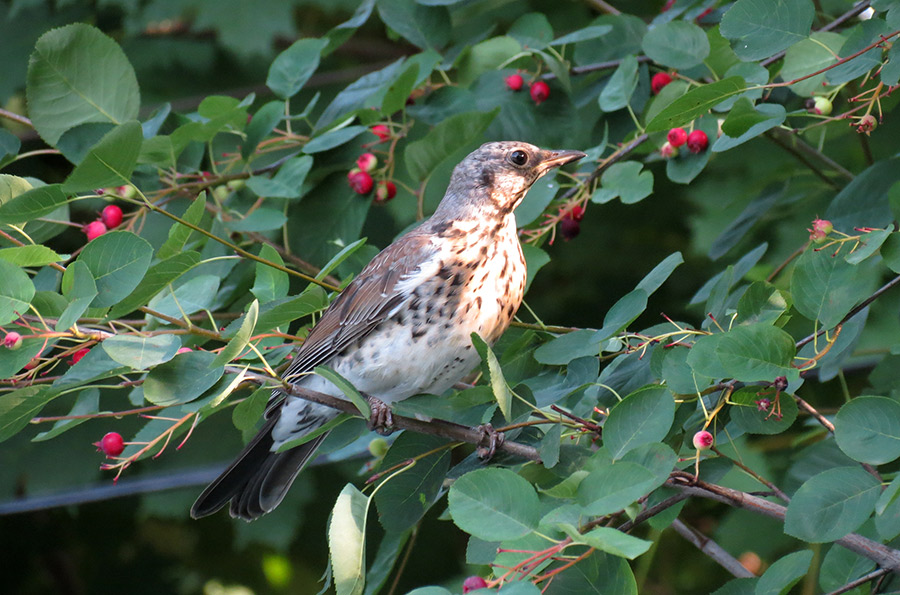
x,y
94,229
820,230
76,357
697,141
385,191
677,137
111,444
12,340
360,181
111,216
659,80
667,151
703,440
474,583
514,82
569,227
183,350
540,91
577,213
381,131
367,162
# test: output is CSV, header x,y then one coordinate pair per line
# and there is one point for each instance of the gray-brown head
x,y
493,179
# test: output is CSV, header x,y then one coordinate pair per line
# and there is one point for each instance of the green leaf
x,y
831,504
340,257
16,292
565,348
78,75
423,26
34,255
292,68
825,288
141,353
79,287
332,139
12,361
241,338
655,278
18,407
181,379
869,243
762,28
784,574
494,504
620,86
890,252
808,56
695,103
347,541
677,44
32,204
613,487
261,219
87,403
263,122
247,413
607,539
623,312
398,93
495,374
452,134
404,499
841,566
117,260
864,201
195,294
532,30
158,276
589,32
888,510
746,414
178,233
756,352
859,38
289,309
626,181
867,429
741,118
537,199
110,162
366,91
270,284
642,417
485,56
346,387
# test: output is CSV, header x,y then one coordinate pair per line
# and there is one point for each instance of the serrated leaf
x,y
494,504
867,429
495,374
784,574
695,103
110,162
620,86
762,28
292,68
640,418
34,255
178,233
347,541
32,204
831,504
607,539
182,379
16,292
825,288
141,353
117,260
270,283
241,338
676,44
158,276
287,183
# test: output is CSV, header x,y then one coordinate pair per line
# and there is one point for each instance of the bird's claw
x,y
382,419
492,437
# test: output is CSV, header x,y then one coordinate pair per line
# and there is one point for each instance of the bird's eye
x,y
518,157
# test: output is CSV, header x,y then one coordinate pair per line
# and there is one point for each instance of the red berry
x,y
677,137
703,440
360,181
577,212
697,141
367,162
514,82
94,229
381,131
111,216
473,583
76,357
569,227
12,340
540,91
385,191
111,444
820,230
667,151
659,80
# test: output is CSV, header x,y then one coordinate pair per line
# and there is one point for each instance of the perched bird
x,y
403,326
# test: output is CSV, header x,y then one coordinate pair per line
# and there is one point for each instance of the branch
x,y
881,554
875,574
711,549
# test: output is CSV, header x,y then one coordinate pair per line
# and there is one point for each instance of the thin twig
x,y
604,7
712,549
775,490
802,159
15,117
875,574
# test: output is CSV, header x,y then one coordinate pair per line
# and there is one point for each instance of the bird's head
x,y
496,176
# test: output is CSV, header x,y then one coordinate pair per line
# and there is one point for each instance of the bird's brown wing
x,y
362,306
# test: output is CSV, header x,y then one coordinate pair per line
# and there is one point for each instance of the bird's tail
x,y
258,479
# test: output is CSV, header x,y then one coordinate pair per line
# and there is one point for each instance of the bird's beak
x,y
553,159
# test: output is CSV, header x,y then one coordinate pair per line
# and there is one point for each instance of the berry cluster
x,y
110,218
360,177
539,90
696,142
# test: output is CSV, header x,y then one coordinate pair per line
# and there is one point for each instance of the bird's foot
x,y
490,442
382,419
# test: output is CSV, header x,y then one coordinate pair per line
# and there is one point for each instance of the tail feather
x,y
258,479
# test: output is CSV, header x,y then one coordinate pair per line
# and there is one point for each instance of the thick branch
x,y
881,554
711,549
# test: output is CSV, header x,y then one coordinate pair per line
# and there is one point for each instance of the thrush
x,y
403,326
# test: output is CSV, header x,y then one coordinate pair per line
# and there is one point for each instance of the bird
x,y
404,325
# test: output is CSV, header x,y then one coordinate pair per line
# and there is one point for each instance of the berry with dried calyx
x,y
12,340
569,227
514,82
367,162
111,444
697,141
819,231
385,191
667,151
540,91
111,216
577,212
677,137
659,80
703,440
94,229
821,106
866,124
473,583
360,181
